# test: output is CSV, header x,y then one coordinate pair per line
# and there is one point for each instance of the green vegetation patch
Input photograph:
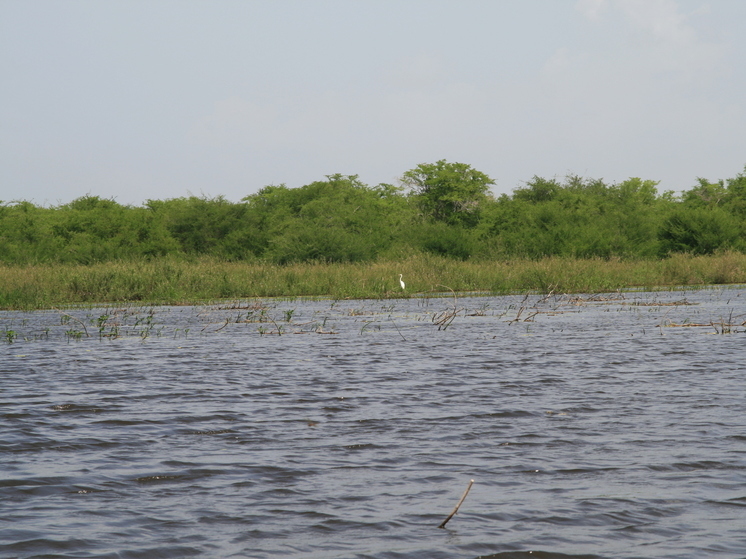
x,y
169,281
440,227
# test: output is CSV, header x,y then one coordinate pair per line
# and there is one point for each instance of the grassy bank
x,y
178,282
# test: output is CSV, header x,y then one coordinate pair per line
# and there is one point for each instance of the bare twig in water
x,y
529,318
451,290
520,309
279,330
444,319
547,296
223,326
455,510
75,319
397,329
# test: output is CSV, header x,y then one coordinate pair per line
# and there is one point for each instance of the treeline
x,y
440,208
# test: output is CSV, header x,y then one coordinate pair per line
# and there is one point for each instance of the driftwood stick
x,y
455,509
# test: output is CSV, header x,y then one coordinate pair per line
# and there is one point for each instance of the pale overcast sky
x,y
157,99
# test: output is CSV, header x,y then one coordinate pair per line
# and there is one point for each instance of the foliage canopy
x,y
443,208
453,193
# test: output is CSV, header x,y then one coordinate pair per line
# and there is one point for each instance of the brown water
x,y
596,427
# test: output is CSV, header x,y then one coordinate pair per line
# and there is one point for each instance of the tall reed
x,y
171,281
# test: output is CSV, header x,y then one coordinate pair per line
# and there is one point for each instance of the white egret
x,y
401,282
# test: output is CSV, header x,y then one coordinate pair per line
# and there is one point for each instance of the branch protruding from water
x,y
455,509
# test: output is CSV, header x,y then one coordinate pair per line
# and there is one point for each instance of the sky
x,y
136,100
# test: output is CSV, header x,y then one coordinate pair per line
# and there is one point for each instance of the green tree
x,y
700,231
211,226
336,220
92,229
26,235
579,217
729,194
710,217
538,190
449,192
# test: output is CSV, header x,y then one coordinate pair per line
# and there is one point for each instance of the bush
x,y
699,231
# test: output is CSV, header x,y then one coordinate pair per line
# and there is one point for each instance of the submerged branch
x,y
455,509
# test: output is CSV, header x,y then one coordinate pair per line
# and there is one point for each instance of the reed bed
x,y
171,281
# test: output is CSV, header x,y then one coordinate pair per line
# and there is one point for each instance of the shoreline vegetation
x,y
169,281
440,226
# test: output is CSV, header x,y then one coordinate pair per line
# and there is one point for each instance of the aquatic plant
x,y
76,335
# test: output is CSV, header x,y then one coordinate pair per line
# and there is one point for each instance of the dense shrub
x,y
447,211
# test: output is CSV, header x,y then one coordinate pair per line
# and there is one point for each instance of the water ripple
x,y
592,431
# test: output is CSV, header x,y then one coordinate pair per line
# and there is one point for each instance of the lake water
x,y
606,426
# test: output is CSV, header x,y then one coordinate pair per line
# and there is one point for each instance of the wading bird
x,y
401,282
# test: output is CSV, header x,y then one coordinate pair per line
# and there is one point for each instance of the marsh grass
x,y
171,281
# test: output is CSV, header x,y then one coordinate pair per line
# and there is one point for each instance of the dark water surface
x,y
597,427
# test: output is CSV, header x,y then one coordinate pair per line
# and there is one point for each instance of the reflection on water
x,y
599,426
